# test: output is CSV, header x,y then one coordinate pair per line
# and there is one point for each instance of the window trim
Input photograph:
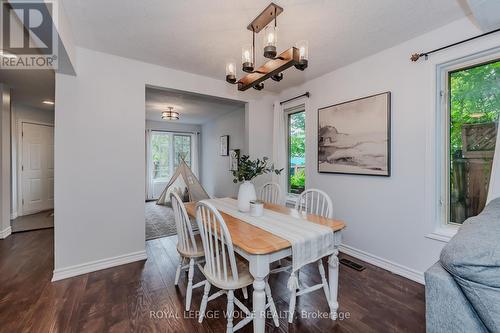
x,y
444,230
287,113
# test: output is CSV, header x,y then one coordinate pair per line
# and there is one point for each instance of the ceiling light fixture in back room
x,y
170,114
296,56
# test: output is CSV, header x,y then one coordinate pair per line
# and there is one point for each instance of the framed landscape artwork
x,y
354,137
224,145
234,156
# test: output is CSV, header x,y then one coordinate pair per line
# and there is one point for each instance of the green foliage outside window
x,y
297,151
298,180
160,145
475,98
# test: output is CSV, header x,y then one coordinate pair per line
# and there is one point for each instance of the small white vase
x,y
246,194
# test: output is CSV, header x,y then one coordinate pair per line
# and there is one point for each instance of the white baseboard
x,y
67,272
5,232
393,267
13,215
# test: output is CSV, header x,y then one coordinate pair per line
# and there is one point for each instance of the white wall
x,y
23,113
388,218
100,149
216,177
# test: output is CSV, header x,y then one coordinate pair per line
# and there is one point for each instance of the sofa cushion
x,y
472,257
446,307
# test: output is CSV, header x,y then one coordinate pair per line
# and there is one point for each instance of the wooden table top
x,y
258,241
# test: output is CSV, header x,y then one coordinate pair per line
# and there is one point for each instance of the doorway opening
x,y
193,138
27,150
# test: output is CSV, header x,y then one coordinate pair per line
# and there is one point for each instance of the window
x,y
473,107
296,141
182,149
166,151
160,146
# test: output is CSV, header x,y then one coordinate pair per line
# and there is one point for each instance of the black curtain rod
x,y
416,56
306,94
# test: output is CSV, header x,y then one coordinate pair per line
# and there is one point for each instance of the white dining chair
x,y
270,192
316,202
223,268
189,246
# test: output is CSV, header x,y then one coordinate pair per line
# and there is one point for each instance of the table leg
x,y
259,268
333,277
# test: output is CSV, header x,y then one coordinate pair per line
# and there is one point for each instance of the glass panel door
x,y
182,149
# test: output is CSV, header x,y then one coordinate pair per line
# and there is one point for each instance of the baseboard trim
x,y
393,267
13,216
71,271
5,232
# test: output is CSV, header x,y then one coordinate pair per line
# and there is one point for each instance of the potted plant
x,y
247,170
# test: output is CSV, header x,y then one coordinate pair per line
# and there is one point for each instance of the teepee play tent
x,y
185,184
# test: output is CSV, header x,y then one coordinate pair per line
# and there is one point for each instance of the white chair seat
x,y
193,254
244,277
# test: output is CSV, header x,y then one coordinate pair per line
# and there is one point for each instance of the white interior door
x,y
37,168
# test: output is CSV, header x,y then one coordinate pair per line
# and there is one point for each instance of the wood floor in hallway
x,y
141,297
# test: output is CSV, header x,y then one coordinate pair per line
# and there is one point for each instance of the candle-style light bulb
x,y
270,38
247,58
231,72
303,48
270,41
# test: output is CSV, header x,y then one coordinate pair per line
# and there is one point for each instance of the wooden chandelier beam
x,y
284,61
265,17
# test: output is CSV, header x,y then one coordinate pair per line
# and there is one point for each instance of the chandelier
x,y
170,114
296,56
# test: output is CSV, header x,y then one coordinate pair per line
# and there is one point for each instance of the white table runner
x,y
310,241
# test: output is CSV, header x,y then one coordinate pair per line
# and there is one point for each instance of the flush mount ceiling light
x,y
295,56
170,114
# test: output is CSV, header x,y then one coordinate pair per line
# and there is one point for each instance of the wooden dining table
x,y
261,248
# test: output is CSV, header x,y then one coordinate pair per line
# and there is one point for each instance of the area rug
x,y
160,221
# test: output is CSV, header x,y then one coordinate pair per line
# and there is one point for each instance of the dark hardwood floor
x,y
134,297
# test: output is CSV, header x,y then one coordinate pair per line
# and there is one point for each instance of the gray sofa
x,y
462,290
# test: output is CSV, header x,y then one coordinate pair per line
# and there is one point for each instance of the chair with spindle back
x,y
315,202
270,192
189,246
223,268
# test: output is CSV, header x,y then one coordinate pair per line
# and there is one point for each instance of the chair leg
x,y
291,308
245,292
326,289
178,272
272,306
204,301
189,290
230,311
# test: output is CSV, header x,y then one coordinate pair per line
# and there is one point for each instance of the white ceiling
x,y
199,36
193,108
30,87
